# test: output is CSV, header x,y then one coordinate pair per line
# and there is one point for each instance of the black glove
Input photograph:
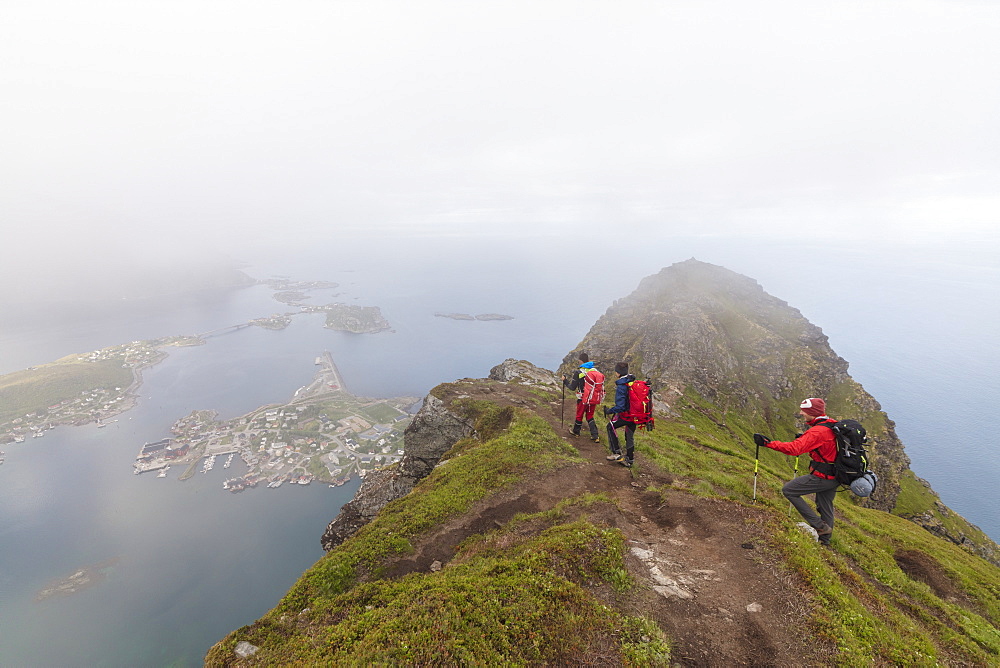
x,y
797,436
606,413
760,439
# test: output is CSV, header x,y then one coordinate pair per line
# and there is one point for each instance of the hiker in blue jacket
x,y
616,421
588,383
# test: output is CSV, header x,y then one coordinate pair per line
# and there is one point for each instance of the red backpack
x,y
593,387
640,403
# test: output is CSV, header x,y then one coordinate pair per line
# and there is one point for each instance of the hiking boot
x,y
823,531
615,457
573,433
595,439
626,463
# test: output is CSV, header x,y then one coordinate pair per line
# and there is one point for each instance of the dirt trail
x,y
713,584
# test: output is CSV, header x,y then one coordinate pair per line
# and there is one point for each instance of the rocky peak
x,y
699,328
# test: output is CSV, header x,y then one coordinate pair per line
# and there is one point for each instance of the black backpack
x,y
851,462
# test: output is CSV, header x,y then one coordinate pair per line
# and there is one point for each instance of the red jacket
x,y
818,441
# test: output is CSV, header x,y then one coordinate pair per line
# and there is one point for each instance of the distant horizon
x,y
22,282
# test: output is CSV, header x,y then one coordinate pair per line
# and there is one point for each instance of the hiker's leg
x,y
629,442
591,423
613,437
579,417
796,488
824,502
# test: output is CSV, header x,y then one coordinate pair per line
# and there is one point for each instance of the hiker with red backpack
x,y
821,444
633,408
588,383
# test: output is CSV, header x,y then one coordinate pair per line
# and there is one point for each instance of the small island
x,y
291,297
341,317
81,579
276,321
494,316
481,316
351,318
294,292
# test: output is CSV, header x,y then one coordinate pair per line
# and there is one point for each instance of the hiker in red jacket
x,y
821,445
588,383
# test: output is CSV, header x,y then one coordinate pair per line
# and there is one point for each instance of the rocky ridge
x,y
431,433
699,328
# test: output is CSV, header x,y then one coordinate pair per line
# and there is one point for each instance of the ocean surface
x,y
189,562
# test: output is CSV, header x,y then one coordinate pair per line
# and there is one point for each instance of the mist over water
x,y
197,562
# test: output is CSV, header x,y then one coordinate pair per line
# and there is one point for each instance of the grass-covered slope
x,y
522,599
888,593
700,330
526,547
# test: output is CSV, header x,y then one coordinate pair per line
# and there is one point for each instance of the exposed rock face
x,y
512,370
431,433
986,550
701,326
697,326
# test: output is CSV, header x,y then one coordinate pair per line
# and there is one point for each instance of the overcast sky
x,y
168,123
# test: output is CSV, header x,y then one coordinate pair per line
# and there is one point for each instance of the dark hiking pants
x,y
615,424
825,491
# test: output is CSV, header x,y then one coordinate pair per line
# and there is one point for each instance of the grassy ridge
x,y
527,602
876,612
33,391
542,588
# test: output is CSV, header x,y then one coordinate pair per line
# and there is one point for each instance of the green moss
x,y
508,598
543,588
529,607
473,470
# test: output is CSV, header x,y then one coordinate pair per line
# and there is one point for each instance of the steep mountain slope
x,y
502,540
701,330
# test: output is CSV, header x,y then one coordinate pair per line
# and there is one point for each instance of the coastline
x,y
68,411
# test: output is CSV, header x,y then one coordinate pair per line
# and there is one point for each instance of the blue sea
x,y
191,562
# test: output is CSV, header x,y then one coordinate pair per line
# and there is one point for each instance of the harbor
x,y
324,434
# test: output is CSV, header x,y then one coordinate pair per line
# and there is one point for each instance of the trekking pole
x,y
756,465
796,469
562,408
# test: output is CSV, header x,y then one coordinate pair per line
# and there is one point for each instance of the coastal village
x,y
324,434
85,388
